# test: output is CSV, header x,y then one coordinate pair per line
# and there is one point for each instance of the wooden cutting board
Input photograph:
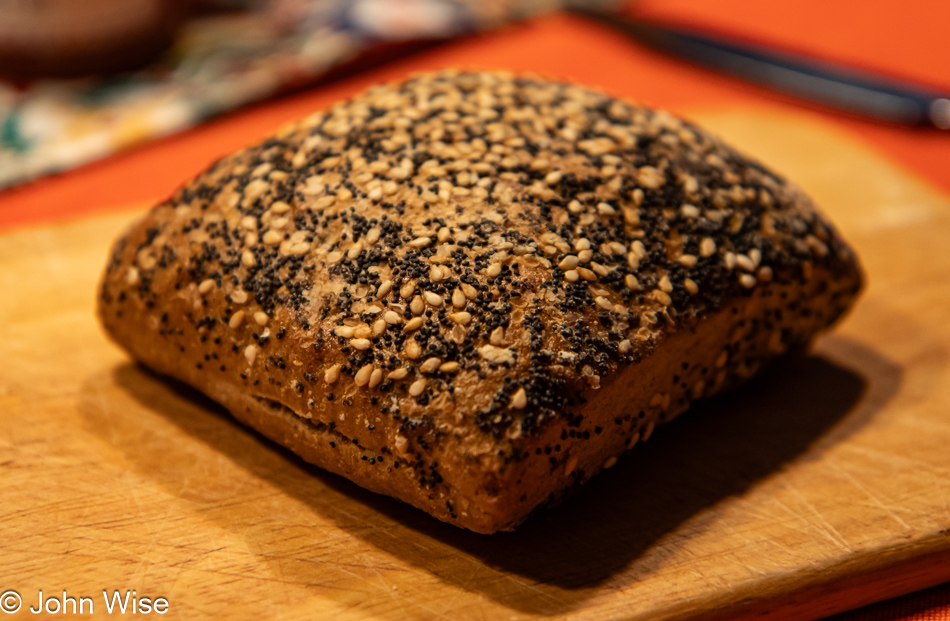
x,y
819,487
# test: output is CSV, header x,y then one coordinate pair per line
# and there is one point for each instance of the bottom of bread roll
x,y
487,495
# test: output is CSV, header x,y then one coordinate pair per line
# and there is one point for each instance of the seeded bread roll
x,y
474,291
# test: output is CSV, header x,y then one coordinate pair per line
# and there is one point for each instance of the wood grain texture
x,y
821,486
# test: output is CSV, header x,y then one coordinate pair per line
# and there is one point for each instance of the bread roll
x,y
474,291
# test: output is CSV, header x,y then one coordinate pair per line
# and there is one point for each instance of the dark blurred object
x,y
217,6
862,93
69,38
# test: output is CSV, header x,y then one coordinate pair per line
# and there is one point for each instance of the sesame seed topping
x,y
433,299
690,211
362,376
250,354
744,262
606,209
520,399
261,318
638,249
332,374
360,344
236,320
462,318
344,331
568,263
398,374
206,286
722,359
297,249
416,388
495,354
449,367
413,324
650,177
586,274
430,365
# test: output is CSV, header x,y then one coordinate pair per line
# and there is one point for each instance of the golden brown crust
x,y
473,291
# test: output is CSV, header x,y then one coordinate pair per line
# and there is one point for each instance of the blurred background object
x,y
68,38
218,55
846,89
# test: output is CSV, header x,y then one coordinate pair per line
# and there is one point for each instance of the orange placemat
x,y
928,605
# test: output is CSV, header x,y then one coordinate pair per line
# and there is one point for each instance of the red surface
x,y
905,39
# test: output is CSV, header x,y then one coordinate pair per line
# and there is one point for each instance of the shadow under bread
x,y
602,535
